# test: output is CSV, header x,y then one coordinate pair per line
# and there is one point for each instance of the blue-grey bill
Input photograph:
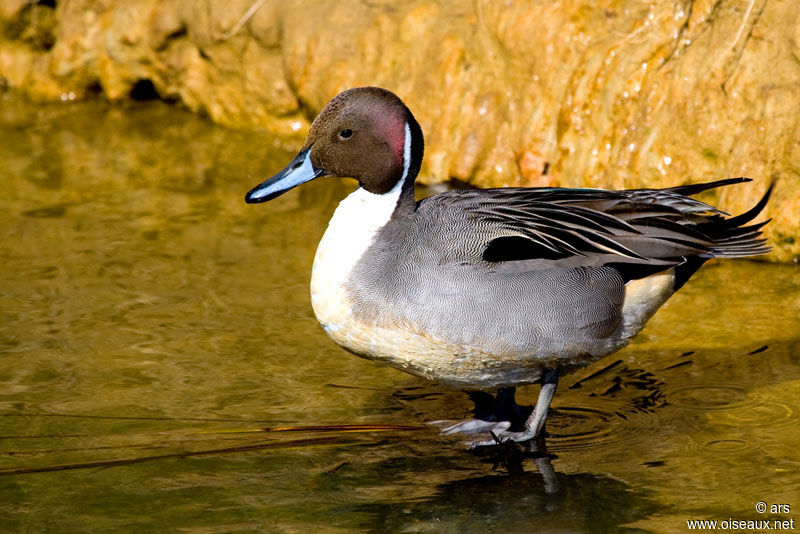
x,y
299,171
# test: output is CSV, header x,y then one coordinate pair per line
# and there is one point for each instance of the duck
x,y
491,289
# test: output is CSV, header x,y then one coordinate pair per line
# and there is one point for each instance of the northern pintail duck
x,y
492,288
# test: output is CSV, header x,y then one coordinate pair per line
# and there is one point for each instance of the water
x,y
156,339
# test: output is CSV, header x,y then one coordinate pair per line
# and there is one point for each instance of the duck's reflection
x,y
526,495
512,457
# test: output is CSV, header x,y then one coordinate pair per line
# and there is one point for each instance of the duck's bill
x,y
299,171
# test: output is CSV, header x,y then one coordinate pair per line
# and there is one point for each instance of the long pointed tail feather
x,y
693,189
731,239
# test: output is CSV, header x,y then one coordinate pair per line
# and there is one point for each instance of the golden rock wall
x,y
610,93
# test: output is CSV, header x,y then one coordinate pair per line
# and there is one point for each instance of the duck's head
x,y
366,133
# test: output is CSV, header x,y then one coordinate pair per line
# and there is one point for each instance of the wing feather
x,y
657,227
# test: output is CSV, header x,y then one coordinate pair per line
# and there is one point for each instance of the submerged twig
x,y
343,428
134,418
128,461
261,445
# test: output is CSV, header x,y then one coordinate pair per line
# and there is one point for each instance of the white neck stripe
x,y
406,154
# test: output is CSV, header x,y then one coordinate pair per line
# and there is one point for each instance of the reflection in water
x,y
147,313
518,502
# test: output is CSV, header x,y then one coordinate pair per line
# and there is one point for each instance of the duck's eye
x,y
346,134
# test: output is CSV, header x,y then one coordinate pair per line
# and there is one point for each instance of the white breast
x,y
351,231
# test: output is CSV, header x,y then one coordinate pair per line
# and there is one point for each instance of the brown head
x,y
366,133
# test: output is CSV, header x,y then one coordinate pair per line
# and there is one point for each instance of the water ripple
x,y
705,397
573,427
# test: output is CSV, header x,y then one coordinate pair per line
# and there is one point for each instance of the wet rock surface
x,y
614,94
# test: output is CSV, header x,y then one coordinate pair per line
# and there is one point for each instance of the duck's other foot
x,y
493,414
477,426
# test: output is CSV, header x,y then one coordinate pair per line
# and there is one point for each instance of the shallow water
x,y
156,339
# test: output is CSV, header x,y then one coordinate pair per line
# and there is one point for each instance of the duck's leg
x,y
492,414
534,425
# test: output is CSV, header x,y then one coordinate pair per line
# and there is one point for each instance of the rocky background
x,y
610,93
